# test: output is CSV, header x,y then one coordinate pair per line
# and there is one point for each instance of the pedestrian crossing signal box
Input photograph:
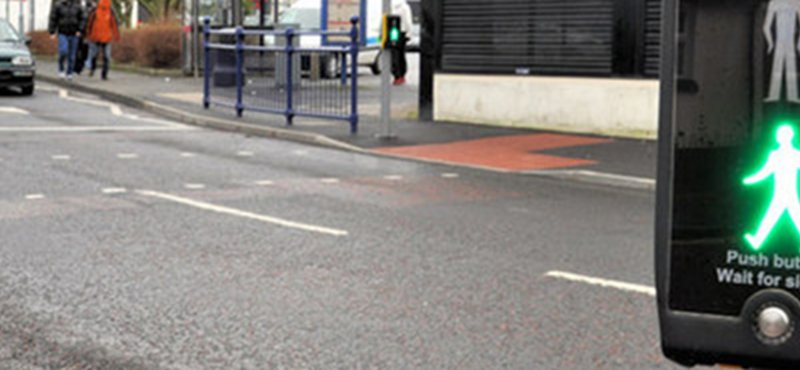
x,y
391,32
728,198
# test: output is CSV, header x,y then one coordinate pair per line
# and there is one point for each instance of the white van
x,y
308,15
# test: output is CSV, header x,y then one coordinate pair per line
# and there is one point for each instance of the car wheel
x,y
27,90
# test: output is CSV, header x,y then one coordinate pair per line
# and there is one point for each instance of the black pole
x,y
262,8
430,46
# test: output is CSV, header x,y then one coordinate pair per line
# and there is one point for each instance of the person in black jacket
x,y
66,19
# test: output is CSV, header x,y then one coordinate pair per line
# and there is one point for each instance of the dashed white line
x,y
127,156
619,285
245,214
60,157
245,154
114,191
450,175
393,177
34,196
265,183
329,181
194,186
188,155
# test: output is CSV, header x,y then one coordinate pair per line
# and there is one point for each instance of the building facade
x,y
578,65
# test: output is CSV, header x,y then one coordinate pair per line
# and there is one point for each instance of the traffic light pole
x,y
386,93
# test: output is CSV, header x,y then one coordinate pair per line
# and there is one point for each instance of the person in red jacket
x,y
102,28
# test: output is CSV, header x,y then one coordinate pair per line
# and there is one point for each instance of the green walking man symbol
x,y
783,164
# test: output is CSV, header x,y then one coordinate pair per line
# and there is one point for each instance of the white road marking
x,y
245,154
115,191
13,110
127,156
611,176
450,175
265,183
194,186
160,121
300,152
61,157
245,214
602,178
393,177
188,155
330,181
628,287
93,129
116,110
34,196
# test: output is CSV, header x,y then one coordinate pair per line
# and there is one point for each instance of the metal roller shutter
x,y
572,37
652,43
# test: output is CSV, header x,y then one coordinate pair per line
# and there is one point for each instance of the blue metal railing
x,y
242,74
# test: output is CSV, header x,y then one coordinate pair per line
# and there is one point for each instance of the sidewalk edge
x,y
196,120
582,176
178,115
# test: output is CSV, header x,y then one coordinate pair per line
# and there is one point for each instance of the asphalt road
x,y
134,243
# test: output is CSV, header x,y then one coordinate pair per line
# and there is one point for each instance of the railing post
x,y
354,44
239,70
343,69
289,76
206,64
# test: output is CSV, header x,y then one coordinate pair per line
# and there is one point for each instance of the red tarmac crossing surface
x,y
506,153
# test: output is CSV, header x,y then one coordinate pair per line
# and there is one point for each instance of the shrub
x,y
159,45
41,44
151,46
124,50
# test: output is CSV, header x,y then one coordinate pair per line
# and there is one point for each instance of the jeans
x,y
91,60
67,47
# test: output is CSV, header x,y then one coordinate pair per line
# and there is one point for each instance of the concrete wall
x,y
615,107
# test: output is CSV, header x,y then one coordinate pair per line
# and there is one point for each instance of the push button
x,y
774,325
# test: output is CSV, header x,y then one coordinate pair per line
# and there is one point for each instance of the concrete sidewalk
x,y
494,148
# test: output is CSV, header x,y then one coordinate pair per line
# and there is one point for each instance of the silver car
x,y
17,67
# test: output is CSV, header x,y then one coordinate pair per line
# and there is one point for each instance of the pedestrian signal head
x,y
728,189
391,32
